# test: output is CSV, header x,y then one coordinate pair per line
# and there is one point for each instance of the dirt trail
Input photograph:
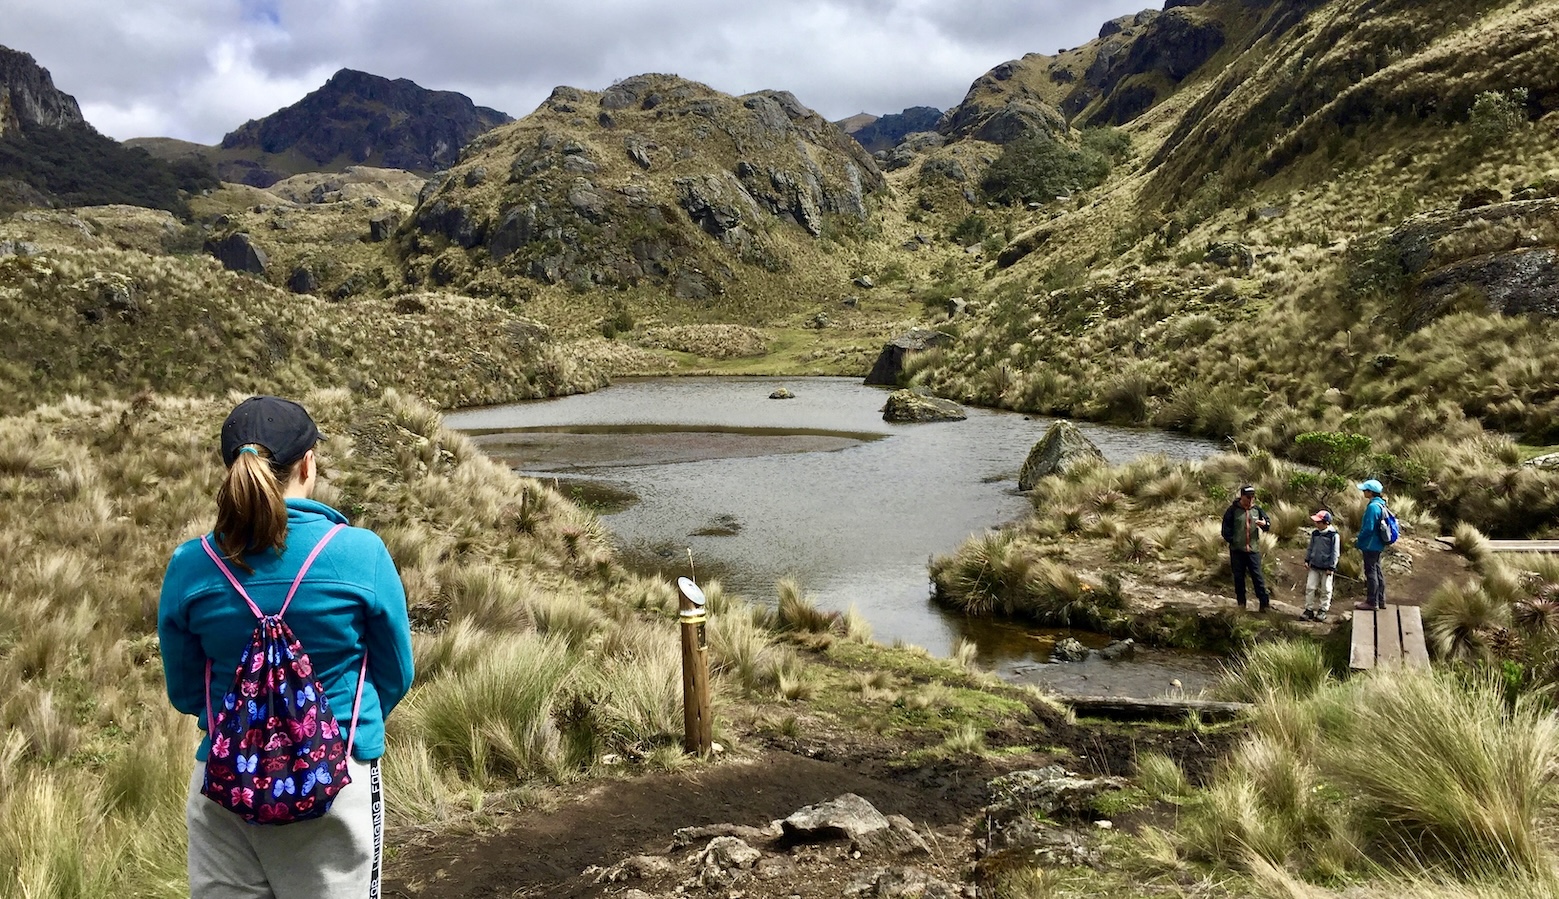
x,y
544,852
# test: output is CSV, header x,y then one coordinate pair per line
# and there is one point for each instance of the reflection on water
x,y
818,488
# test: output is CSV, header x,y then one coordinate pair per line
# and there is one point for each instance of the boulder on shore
x,y
1061,449
890,362
918,405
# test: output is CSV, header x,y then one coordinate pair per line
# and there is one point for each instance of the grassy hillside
x,y
96,309
1340,292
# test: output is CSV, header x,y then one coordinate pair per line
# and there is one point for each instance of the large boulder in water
x,y
1062,448
918,405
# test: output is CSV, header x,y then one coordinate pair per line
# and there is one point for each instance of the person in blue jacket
x,y
350,602
1371,546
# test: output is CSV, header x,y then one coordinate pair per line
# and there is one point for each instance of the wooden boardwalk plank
x,y
1415,652
1388,638
1362,653
1514,546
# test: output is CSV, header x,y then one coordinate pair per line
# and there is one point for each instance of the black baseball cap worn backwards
x,y
279,425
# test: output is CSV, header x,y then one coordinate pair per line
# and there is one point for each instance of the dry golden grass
x,y
511,584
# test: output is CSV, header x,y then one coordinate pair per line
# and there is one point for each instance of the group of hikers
x,y
278,747
1244,521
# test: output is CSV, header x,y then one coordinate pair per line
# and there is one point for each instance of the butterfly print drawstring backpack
x,y
277,753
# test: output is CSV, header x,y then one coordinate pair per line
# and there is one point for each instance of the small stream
x,y
818,488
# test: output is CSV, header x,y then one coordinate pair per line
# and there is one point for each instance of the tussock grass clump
x,y
742,649
1470,542
1465,778
798,611
1290,668
1000,573
640,693
1161,778
1461,619
1427,771
499,717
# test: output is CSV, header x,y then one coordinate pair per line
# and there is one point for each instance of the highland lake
x,y
817,488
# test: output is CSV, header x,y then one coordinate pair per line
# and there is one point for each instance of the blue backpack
x,y
1387,526
277,753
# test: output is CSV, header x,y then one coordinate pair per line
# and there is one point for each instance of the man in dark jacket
x,y
1242,527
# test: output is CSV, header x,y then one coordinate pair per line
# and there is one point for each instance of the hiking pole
x,y
697,722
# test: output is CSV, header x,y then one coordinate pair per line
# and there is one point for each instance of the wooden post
x,y
697,722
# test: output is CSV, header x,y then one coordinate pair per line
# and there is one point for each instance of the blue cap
x,y
1372,486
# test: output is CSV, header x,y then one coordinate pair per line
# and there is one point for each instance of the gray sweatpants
x,y
333,857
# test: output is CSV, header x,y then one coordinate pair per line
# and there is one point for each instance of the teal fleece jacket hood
x,y
351,601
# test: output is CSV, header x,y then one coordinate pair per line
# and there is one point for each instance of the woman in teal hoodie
x,y
350,605
1371,546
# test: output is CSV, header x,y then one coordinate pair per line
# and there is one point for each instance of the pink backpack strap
x,y
205,543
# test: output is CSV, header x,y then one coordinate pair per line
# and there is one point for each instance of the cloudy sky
x,y
196,69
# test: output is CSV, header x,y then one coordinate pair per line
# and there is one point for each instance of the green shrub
x,y
971,229
1039,168
1334,451
84,168
1111,143
1495,116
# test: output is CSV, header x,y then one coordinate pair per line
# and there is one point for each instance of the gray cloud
x,y
195,69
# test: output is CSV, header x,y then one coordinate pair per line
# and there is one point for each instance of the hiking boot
x,y
1263,608
1319,616
1307,615
1242,606
1366,606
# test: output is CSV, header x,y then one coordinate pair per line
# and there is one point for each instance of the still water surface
x,y
818,488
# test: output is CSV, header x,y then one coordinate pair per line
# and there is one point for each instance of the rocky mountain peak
x,y
656,179
358,118
28,97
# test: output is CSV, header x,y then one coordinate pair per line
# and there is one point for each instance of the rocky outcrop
x,y
1000,109
1491,254
656,179
909,149
1062,448
1231,255
727,856
885,132
1170,48
919,406
1520,282
358,118
28,98
238,253
889,366
1049,792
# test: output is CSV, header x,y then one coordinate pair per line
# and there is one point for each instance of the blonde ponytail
x,y
251,510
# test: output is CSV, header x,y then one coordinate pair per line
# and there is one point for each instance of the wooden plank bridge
x,y
1392,637
1513,546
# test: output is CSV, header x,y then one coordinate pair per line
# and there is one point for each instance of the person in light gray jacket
x,y
1321,559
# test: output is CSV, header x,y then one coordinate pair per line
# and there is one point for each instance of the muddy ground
x,y
560,847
